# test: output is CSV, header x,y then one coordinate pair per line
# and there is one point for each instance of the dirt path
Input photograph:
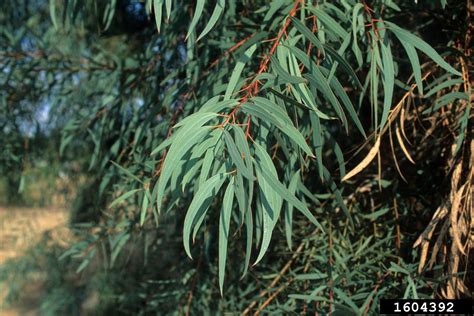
x,y
21,228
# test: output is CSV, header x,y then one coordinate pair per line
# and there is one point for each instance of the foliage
x,y
241,124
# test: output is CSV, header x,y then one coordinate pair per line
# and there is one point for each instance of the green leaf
x,y
206,165
224,224
249,240
123,197
356,26
197,15
300,105
308,298
311,276
169,4
218,9
415,64
274,7
273,108
243,145
329,22
345,65
188,136
192,166
127,172
237,156
241,196
374,215
145,202
318,142
270,201
283,192
166,143
234,78
405,36
373,78
199,206
318,79
346,300
398,269
289,210
214,105
320,82
109,13
441,86
341,93
259,110
52,13
308,34
389,82
281,72
340,160
210,154
196,117
158,8
447,99
118,244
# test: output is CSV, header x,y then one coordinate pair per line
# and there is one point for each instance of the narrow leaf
x,y
200,203
197,15
234,78
365,162
389,82
218,9
405,36
224,224
237,156
123,197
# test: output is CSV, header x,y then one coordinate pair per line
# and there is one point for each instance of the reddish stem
x,y
253,88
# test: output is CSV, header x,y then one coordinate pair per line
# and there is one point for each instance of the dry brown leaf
x,y
438,216
438,244
365,162
402,145
425,238
424,252
394,155
455,229
402,123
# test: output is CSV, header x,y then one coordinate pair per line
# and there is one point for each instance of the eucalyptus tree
x,y
255,124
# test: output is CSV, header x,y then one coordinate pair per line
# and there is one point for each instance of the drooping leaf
x,y
415,64
188,136
405,36
288,196
289,210
389,82
224,225
197,15
259,109
270,201
218,9
199,205
237,156
328,21
158,9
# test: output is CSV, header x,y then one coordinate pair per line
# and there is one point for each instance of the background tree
x,y
303,146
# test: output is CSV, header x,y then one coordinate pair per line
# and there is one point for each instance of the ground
x,y
21,228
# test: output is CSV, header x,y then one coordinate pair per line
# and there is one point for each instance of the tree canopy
x,y
294,149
